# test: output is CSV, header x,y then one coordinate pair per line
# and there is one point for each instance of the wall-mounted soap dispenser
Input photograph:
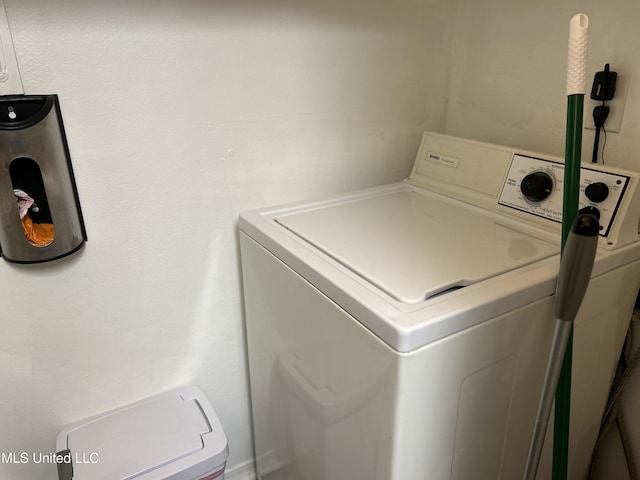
x,y
40,216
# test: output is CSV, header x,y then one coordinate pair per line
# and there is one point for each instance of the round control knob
x,y
536,186
591,211
597,192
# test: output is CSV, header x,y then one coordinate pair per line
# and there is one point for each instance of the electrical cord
x,y
626,445
604,144
603,89
600,114
613,413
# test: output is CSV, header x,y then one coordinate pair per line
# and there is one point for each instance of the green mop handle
x,y
576,88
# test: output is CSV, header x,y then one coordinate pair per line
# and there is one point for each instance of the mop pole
x,y
575,269
576,88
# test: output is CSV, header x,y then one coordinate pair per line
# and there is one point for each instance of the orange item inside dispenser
x,y
38,234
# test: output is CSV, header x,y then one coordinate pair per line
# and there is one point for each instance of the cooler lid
x,y
155,438
414,246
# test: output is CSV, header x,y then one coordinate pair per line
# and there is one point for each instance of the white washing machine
x,y
401,332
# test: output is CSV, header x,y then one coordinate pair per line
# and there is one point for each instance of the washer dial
x,y
597,192
536,186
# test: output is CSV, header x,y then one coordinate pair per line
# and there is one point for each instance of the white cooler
x,y
172,436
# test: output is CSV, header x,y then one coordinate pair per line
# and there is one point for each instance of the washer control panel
x,y
535,186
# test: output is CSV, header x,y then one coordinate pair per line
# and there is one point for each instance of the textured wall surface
x,y
179,115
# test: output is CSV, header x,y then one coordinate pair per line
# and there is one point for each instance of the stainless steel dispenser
x,y
40,216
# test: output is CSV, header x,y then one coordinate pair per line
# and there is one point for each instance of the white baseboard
x,y
244,471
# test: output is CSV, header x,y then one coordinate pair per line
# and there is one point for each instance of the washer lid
x,y
413,246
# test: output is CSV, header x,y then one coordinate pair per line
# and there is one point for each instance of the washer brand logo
x,y
442,160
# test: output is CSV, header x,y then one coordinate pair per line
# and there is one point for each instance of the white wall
x,y
508,72
179,115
